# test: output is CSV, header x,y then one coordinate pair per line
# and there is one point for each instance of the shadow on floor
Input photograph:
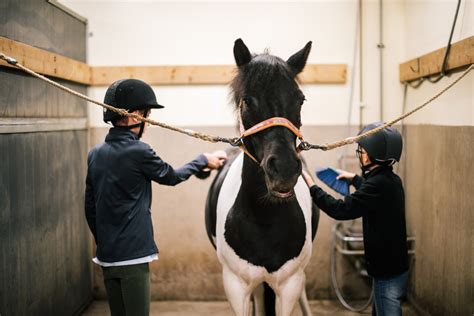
x,y
179,308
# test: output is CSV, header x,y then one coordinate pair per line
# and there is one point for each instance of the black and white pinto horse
x,y
259,213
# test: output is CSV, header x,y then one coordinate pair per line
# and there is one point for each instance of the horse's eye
x,y
247,99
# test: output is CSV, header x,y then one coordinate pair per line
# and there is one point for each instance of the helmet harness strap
x,y
130,127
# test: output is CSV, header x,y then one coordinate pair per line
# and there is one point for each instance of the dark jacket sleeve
x,y
90,203
157,170
353,206
357,181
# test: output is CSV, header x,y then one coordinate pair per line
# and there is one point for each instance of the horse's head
x,y
265,87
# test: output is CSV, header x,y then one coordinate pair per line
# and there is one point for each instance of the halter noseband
x,y
271,122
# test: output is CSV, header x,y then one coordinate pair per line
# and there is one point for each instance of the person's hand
x,y
216,159
345,175
307,178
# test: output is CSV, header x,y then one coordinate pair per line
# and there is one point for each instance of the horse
x,y
259,214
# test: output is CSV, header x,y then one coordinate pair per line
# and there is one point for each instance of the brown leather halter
x,y
271,122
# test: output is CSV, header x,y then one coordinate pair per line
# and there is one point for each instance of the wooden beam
x,y
164,75
205,74
55,65
461,54
33,125
323,73
45,62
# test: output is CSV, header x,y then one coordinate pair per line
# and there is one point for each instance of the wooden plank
x,y
55,65
43,25
461,54
45,245
34,125
164,75
45,62
323,73
204,74
22,95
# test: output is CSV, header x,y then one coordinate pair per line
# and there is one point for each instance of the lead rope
x,y
213,139
235,141
350,140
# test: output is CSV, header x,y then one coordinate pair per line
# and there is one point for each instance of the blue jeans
x,y
388,293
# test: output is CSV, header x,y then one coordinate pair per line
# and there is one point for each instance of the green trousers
x,y
128,289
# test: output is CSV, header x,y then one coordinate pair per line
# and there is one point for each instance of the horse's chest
x,y
276,235
268,241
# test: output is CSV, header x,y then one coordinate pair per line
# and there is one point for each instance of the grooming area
x,y
369,61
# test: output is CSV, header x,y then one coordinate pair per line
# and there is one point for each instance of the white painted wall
x,y
202,32
427,27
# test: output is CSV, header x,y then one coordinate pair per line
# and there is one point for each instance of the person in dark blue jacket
x,y
380,200
118,197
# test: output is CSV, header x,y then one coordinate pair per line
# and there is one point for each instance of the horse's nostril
x,y
272,164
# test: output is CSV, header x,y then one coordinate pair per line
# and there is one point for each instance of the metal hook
x,y
417,66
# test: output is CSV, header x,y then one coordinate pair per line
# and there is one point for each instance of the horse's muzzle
x,y
283,195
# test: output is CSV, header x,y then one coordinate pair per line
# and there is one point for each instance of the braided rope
x,y
351,140
235,141
123,112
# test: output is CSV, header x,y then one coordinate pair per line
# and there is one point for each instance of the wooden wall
x,y
45,249
439,183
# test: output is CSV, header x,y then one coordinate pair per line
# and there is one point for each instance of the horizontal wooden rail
x,y
164,75
17,125
205,74
461,54
45,62
55,65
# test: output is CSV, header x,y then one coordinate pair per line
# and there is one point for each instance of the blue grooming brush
x,y
328,176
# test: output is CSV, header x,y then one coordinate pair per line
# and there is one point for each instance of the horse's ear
x,y
298,60
241,53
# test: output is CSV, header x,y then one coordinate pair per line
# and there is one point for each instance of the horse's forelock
x,y
262,70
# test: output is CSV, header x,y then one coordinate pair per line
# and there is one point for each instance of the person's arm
x,y
158,170
90,205
357,181
353,206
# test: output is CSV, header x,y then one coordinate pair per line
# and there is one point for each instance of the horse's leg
x,y
259,300
304,304
288,294
237,292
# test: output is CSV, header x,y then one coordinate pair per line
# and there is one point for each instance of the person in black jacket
x,y
379,199
118,197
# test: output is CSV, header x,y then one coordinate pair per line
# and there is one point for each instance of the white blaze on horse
x,y
259,213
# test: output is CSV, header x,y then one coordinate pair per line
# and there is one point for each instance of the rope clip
x,y
10,60
236,141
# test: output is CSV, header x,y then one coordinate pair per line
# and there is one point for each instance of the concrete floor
x,y
178,308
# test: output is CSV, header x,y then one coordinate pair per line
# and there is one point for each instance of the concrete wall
x,y
437,169
438,182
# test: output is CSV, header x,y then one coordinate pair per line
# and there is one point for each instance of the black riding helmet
x,y
383,147
131,95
